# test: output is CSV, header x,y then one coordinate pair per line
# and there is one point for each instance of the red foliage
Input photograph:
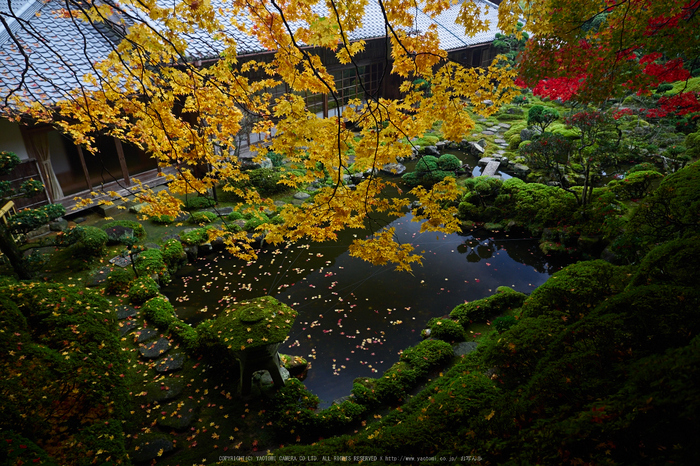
x,y
679,104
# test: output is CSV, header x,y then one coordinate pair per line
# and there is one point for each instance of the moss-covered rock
x,y
480,310
444,329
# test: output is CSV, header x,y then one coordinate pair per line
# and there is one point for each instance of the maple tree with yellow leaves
x,y
142,91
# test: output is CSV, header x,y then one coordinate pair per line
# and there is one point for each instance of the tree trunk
x,y
13,253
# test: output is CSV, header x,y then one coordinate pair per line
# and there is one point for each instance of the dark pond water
x,y
354,318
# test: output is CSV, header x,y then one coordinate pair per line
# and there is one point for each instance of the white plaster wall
x,y
11,139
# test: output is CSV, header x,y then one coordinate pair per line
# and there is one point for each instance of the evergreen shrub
x,y
449,162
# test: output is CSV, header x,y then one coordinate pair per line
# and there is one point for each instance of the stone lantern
x,y
253,331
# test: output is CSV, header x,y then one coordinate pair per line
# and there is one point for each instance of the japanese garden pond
x,y
355,318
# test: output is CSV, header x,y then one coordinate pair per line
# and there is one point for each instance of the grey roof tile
x,y
62,51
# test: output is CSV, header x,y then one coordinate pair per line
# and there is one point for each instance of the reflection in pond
x,y
355,318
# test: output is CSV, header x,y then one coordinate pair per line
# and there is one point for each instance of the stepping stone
x,y
177,415
124,311
120,261
152,246
280,203
301,196
505,125
127,326
137,208
155,349
151,447
499,141
99,276
222,210
488,133
164,391
145,334
171,363
464,348
491,168
297,202
173,236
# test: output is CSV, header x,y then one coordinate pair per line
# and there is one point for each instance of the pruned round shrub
x,y
640,167
90,241
199,202
202,217
143,289
449,162
503,323
427,355
118,281
173,253
195,236
151,262
445,329
427,163
159,311
235,215
393,386
266,181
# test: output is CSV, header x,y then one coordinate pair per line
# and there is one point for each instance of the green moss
x,y
173,254
63,341
90,242
199,202
202,217
143,289
118,281
672,263
671,211
514,130
159,311
427,355
195,236
445,329
480,310
573,291
257,322
139,231
150,262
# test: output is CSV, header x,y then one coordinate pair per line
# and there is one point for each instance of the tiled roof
x,y
61,51
57,49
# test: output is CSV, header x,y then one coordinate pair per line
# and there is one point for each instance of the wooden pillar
x,y
122,161
325,105
85,169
